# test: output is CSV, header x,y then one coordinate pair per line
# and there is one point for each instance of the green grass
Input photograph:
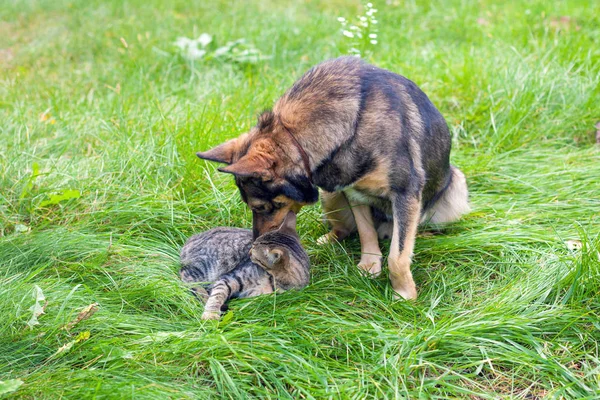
x,y
505,309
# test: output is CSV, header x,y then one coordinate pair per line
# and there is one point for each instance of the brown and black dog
x,y
372,141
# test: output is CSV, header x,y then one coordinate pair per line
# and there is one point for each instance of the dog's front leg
x,y
338,213
370,259
407,211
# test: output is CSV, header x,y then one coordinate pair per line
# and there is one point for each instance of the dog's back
x,y
371,131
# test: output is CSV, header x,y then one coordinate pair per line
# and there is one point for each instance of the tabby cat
x,y
230,265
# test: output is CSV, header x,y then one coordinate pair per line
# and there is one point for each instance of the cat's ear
x,y
289,224
275,256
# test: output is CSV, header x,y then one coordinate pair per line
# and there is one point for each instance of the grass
x,y
95,102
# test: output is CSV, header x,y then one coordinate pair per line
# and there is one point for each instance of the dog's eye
x,y
278,204
260,208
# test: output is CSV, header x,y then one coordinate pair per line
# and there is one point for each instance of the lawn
x,y
100,119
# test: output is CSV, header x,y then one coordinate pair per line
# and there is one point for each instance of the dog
x,y
375,145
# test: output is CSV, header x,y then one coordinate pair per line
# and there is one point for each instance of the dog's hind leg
x,y
407,211
336,211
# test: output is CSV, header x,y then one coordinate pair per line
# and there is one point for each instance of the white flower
x,y
369,5
189,48
195,53
341,19
363,18
374,21
183,42
222,50
348,34
373,41
373,35
204,39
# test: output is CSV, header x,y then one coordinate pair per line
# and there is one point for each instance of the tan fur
x,y
227,152
338,213
274,220
370,259
377,182
399,262
295,110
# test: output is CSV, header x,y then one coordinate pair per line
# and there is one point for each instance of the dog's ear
x,y
251,167
223,153
289,224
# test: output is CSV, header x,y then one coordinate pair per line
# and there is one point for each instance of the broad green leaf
x,y
57,198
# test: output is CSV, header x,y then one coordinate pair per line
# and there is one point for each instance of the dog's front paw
x,y
408,291
211,315
370,264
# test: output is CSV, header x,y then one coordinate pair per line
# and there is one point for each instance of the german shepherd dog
x,y
372,141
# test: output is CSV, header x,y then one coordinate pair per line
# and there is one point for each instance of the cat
x,y
230,265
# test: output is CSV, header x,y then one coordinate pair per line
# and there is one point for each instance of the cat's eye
x,y
275,256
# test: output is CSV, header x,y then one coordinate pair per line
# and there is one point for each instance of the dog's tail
x,y
451,202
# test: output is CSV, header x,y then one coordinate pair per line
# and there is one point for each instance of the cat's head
x,y
280,249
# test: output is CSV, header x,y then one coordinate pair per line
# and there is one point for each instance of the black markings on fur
x,y
341,170
298,188
365,87
401,216
439,193
379,215
228,288
238,183
272,282
266,121
239,282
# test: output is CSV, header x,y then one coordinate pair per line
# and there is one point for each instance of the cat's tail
x,y
190,275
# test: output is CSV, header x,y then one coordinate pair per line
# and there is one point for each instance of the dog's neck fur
x,y
317,97
305,158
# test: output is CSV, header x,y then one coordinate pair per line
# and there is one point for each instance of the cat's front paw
x,y
211,315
